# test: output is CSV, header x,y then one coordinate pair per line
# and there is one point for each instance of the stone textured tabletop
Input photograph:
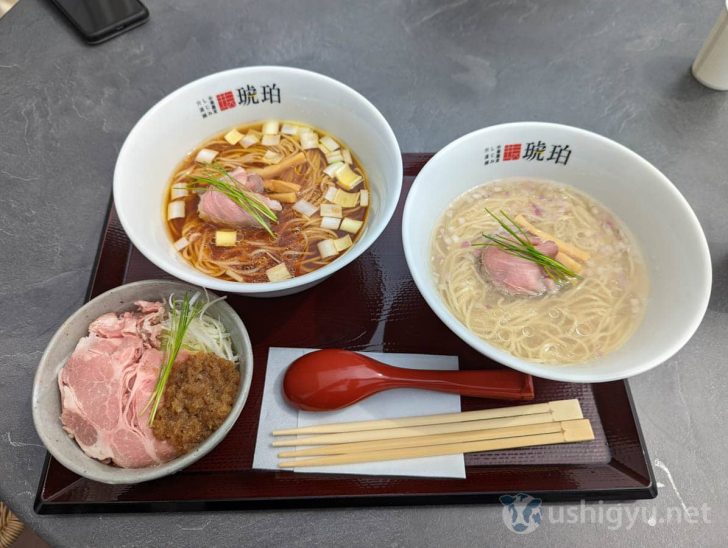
x,y
436,69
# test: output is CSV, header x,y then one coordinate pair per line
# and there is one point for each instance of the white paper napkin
x,y
276,414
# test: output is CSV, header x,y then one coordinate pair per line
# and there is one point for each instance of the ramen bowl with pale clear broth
x,y
260,180
557,252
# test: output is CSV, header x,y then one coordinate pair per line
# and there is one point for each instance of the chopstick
x,y
421,441
570,431
408,432
560,410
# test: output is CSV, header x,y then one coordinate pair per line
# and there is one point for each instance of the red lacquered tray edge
x,y
627,476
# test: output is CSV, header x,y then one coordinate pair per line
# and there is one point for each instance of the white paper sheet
x,y
276,414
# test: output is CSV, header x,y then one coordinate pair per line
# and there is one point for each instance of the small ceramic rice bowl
x,y
46,395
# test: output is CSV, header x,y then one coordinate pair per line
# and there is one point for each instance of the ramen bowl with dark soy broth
x,y
260,180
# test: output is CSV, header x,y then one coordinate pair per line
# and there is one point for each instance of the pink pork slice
x,y
106,384
516,276
218,209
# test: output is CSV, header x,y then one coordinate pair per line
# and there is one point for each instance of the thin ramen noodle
x,y
582,320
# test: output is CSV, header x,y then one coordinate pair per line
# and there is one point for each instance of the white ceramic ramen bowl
x,y
187,117
664,225
46,395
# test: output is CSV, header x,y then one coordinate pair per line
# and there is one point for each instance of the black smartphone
x,y
100,20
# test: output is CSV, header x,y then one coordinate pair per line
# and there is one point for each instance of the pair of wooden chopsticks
x,y
433,435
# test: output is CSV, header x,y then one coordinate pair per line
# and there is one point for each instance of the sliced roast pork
x,y
215,207
516,276
106,384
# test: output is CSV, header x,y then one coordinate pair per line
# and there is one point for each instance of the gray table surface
x,y
436,70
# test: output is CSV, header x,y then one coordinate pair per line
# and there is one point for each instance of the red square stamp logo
x,y
226,100
511,152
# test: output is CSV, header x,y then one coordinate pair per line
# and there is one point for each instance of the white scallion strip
x,y
327,248
347,156
305,208
363,198
178,191
346,199
271,127
225,238
343,243
329,143
278,273
347,178
289,129
206,156
208,334
233,136
331,170
350,225
271,140
330,194
334,157
180,244
272,157
330,223
331,210
249,140
176,210
309,140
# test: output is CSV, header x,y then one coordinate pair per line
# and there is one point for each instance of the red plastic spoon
x,y
331,379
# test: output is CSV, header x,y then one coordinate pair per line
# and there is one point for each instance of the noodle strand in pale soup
x,y
583,319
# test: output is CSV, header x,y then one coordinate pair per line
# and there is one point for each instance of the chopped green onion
x,y
181,313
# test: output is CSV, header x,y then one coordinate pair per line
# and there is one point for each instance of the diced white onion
x,y
176,210
364,198
272,157
206,156
330,223
278,273
309,140
329,143
334,157
305,208
343,243
178,192
331,210
347,156
350,225
330,194
271,140
233,136
249,140
289,129
271,127
180,244
327,248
